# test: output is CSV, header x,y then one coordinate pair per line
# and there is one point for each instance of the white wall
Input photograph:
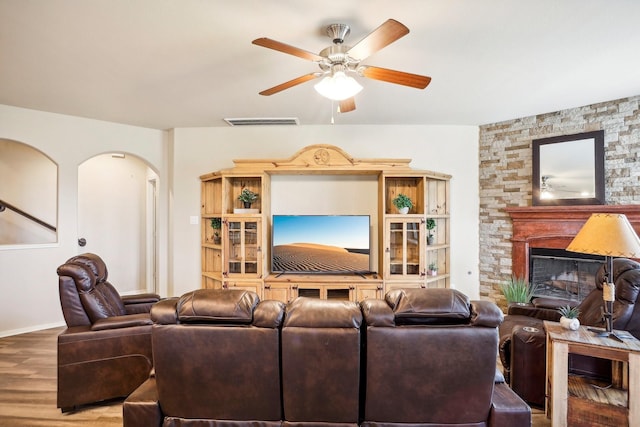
x,y
447,149
28,279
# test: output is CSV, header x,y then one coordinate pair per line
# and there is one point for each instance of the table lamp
x,y
611,235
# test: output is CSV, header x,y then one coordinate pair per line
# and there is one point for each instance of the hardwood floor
x,y
28,387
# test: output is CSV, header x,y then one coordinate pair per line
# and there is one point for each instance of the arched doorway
x,y
29,196
117,218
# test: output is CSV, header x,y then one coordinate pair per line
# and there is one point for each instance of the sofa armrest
x,y
140,298
508,409
377,313
485,313
530,310
140,303
118,322
141,408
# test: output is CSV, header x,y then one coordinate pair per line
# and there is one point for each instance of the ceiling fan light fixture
x,y
338,86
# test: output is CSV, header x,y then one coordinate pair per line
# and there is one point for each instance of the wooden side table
x,y
577,401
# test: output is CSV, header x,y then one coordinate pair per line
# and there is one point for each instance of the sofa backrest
x,y
430,357
85,293
321,361
217,355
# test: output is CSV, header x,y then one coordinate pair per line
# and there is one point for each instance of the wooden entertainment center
x,y
240,258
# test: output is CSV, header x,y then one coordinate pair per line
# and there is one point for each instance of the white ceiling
x,y
181,63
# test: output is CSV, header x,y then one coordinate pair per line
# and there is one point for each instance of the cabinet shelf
x,y
211,245
409,215
437,277
596,391
408,262
436,247
212,274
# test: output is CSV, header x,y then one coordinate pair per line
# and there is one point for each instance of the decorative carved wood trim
x,y
322,157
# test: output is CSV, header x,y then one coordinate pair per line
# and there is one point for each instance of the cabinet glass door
x,y
405,246
243,250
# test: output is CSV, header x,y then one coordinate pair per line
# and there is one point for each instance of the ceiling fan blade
x,y
290,83
291,50
393,76
347,105
390,31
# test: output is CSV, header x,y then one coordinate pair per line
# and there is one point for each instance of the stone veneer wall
x,y
506,169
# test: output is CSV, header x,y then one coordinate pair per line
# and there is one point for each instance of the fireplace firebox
x,y
562,274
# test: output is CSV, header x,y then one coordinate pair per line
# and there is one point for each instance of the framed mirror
x,y
569,170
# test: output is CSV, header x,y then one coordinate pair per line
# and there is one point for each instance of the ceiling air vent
x,y
265,121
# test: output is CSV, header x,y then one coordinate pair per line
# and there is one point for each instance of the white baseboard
x,y
11,332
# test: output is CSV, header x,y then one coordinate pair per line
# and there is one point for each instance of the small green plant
x,y
216,224
518,290
433,266
430,224
402,201
247,196
569,312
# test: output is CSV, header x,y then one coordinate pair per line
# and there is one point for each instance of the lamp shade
x,y
338,86
607,234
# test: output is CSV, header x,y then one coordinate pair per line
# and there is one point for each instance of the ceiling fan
x,y
339,61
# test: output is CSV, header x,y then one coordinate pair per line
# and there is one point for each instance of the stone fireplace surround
x,y
553,227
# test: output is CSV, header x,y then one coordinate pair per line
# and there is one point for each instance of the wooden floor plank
x,y
28,387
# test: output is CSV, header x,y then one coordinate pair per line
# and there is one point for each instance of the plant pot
x,y
430,240
247,205
404,210
571,324
433,272
217,240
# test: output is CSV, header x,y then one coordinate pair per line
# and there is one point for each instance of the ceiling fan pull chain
x,y
332,108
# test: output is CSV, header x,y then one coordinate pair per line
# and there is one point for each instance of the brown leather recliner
x,y
217,363
523,340
431,359
105,352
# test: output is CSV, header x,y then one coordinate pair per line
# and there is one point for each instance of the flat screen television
x,y
323,244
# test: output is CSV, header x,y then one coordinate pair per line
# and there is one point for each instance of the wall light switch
x,y
193,220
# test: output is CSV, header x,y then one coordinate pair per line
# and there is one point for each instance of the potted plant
x,y
403,203
247,197
431,224
569,317
216,224
518,290
433,269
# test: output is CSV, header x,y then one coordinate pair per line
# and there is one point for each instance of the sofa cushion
x,y
217,306
429,306
306,312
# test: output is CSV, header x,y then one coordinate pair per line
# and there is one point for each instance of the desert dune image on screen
x,y
320,243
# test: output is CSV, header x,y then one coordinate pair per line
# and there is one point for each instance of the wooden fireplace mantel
x,y
554,227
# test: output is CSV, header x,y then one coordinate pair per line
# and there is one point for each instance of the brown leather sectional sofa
x,y
421,357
